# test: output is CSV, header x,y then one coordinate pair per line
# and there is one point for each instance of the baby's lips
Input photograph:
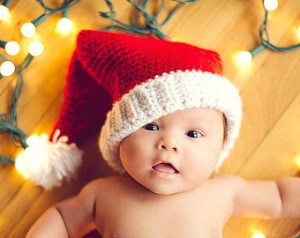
x,y
165,168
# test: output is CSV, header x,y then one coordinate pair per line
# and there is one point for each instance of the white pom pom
x,y
48,163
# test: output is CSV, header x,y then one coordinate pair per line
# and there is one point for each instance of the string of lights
x,y
8,122
151,25
244,58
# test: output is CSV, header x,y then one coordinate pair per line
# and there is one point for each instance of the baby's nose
x,y
168,144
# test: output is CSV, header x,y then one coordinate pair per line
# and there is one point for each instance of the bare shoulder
x,y
232,185
230,180
101,184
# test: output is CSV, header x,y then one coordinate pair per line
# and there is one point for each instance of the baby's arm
x,y
70,218
267,199
50,224
289,190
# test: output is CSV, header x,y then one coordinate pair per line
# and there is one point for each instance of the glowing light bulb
x,y
297,161
258,235
12,48
64,25
244,58
7,68
271,5
36,48
4,12
28,29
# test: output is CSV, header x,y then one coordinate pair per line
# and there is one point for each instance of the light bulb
x,y
298,32
297,161
36,48
258,235
28,29
12,48
64,25
7,68
4,12
244,58
271,5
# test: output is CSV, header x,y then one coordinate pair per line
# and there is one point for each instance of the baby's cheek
x,y
131,155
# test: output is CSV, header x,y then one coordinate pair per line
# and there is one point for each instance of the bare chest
x,y
161,218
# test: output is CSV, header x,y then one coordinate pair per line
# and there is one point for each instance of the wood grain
x,y
270,89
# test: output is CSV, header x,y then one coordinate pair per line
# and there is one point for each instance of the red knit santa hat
x,y
136,80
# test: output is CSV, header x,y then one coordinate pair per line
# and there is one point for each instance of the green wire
x,y
6,160
8,122
6,3
48,11
151,21
266,41
64,6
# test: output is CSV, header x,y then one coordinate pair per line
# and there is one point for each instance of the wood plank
x,y
265,97
270,90
272,160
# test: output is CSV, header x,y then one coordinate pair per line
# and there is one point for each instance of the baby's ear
x,y
225,129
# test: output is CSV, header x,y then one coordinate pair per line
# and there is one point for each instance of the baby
x,y
173,120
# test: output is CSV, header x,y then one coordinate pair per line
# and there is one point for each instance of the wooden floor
x,y
270,89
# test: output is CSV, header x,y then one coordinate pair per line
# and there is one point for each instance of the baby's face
x,y
175,153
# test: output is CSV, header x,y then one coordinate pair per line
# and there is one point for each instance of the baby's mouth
x,y
165,168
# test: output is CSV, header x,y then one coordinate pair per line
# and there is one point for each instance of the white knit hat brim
x,y
166,94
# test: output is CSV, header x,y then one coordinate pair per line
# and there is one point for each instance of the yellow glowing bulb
x,y
12,48
258,235
64,25
4,12
7,68
298,32
271,5
244,58
36,48
297,161
28,29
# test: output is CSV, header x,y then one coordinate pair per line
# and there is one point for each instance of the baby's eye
x,y
151,127
194,134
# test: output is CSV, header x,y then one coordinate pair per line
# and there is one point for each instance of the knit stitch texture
x,y
137,80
